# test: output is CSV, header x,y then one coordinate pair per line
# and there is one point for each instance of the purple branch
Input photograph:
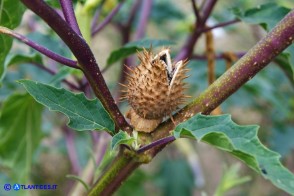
x,y
41,49
108,19
221,25
187,49
95,19
69,15
207,9
195,10
145,12
163,141
72,155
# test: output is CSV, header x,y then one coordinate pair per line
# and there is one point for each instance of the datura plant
x,y
154,85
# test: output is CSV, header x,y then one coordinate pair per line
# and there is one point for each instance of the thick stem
x,y
69,15
85,57
115,174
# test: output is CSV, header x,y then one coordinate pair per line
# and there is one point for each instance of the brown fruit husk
x,y
152,93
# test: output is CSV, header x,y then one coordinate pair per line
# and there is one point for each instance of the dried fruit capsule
x,y
155,89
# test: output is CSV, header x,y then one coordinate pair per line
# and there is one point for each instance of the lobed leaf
x,y
83,114
242,142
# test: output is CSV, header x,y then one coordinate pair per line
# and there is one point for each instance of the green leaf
x,y
135,46
242,142
20,134
10,17
121,138
83,114
266,15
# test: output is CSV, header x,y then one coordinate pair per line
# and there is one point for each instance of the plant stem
x,y
85,58
145,12
73,157
41,49
195,10
69,15
221,25
118,171
159,142
187,49
108,19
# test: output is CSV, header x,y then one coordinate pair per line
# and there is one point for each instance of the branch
x,y
221,25
85,58
187,49
159,142
195,10
117,172
72,155
41,49
69,15
245,69
145,12
108,19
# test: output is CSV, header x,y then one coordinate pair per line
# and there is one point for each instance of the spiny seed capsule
x,y
154,89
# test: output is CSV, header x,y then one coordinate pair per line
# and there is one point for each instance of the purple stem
x,y
108,19
187,49
72,155
145,12
95,19
221,25
41,49
69,15
159,142
133,12
195,10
